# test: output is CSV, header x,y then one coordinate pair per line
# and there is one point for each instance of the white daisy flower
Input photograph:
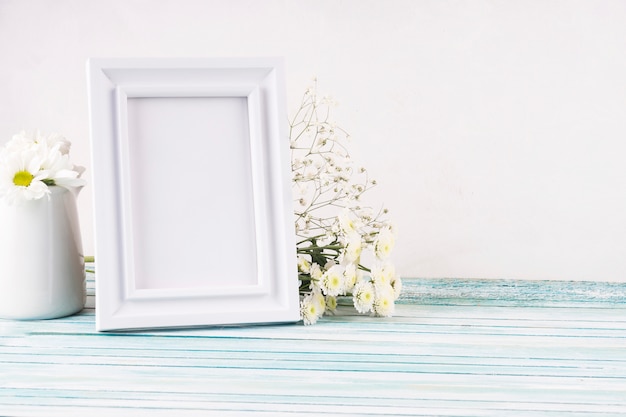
x,y
60,171
363,296
55,140
21,178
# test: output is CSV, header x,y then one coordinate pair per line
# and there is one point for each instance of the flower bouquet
x,y
29,165
335,231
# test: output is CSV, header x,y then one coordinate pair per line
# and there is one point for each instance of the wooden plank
x,y
588,294
492,358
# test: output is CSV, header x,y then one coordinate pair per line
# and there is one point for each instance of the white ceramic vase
x,y
42,268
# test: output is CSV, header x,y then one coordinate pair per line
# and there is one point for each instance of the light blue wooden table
x,y
454,348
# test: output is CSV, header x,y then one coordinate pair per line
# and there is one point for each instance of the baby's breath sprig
x,y
332,225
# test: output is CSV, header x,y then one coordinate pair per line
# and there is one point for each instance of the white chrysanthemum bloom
x,y
316,272
379,276
384,243
387,276
383,274
309,309
384,301
396,284
316,278
331,304
315,286
352,251
333,281
320,300
329,264
351,275
21,177
304,265
346,223
389,271
363,296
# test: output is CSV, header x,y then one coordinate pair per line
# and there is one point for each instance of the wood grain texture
x,y
454,348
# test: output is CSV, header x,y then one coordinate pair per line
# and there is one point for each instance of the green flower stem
x,y
303,277
319,248
311,239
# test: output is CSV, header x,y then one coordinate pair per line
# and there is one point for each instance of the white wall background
x,y
496,129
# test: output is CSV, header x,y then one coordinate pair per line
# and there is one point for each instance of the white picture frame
x,y
192,193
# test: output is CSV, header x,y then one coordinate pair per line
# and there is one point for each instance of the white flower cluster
x,y
30,164
342,274
333,228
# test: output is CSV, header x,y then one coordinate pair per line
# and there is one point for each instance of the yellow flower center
x,y
22,178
